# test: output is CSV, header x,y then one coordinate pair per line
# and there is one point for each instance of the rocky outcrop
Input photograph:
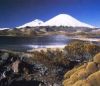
x,y
17,70
20,69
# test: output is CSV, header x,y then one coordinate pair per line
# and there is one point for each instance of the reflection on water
x,y
46,46
26,43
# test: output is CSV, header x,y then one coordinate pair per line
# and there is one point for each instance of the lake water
x,y
26,43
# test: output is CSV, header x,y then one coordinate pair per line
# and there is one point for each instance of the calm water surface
x,y
26,43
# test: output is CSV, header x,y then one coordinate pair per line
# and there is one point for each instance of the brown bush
x,y
69,73
81,83
91,67
85,75
97,58
94,79
81,50
67,82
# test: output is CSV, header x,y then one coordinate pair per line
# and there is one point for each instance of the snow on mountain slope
x,y
34,23
4,28
59,20
65,20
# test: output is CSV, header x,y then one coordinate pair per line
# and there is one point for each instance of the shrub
x,y
74,77
91,67
81,83
82,74
69,73
97,58
94,79
79,50
85,75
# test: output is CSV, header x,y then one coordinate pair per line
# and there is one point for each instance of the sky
x,y
14,13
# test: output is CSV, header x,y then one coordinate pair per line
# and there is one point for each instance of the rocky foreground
x,y
19,70
47,68
22,70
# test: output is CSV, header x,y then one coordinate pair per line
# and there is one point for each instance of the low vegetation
x,y
87,74
80,50
49,67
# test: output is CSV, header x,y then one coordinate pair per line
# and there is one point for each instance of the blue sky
x,y
17,12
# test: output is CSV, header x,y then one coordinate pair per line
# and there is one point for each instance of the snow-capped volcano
x,y
59,20
65,20
36,22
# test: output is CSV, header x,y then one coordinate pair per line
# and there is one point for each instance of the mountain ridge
x,y
36,22
59,20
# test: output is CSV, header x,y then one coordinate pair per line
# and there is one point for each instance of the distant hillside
x,y
47,30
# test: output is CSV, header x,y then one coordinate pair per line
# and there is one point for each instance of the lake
x,y
28,43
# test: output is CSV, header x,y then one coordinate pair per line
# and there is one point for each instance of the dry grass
x,y
85,75
91,67
97,58
94,79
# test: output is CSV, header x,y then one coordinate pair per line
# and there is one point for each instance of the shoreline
x,y
87,39
53,47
